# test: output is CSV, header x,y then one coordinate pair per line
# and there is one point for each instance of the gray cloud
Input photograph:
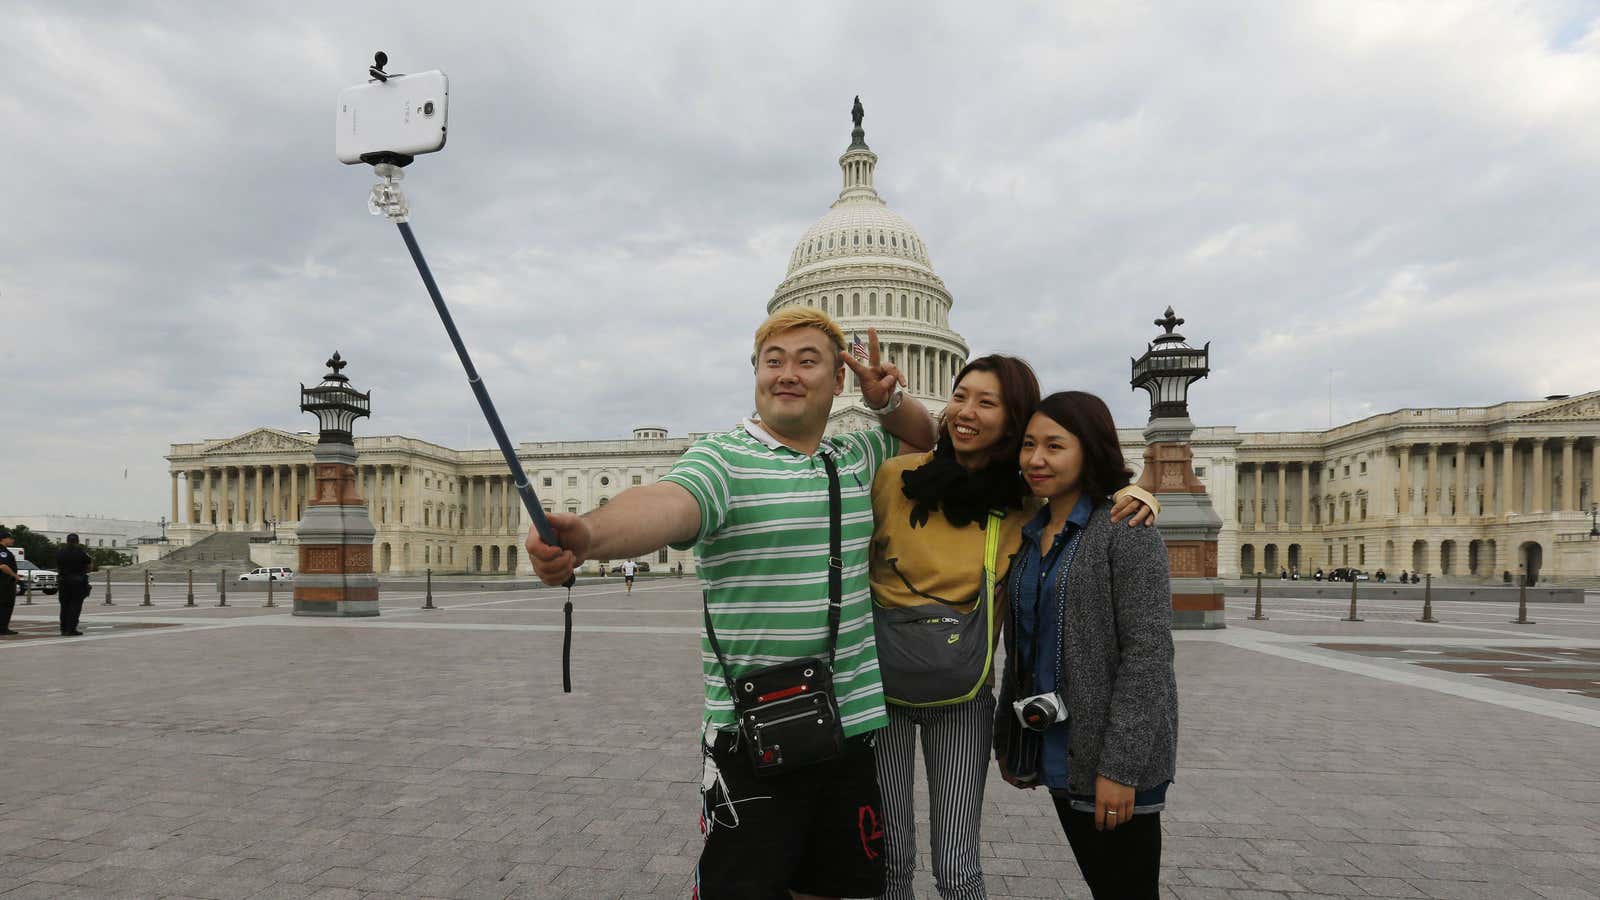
x,y
1400,196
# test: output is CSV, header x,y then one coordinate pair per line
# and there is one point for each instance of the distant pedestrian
x,y
73,566
1382,576
1415,578
629,569
1283,574
1318,576
8,581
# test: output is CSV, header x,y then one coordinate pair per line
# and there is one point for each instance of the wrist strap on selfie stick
x,y
388,201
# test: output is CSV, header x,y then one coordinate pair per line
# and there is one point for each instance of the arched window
x,y
869,239
830,242
872,300
858,239
855,304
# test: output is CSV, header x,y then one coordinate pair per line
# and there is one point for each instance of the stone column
x,y
174,518
1511,494
394,496
1255,502
1305,496
189,515
256,517
508,490
1540,488
1189,524
277,493
205,510
1403,507
294,491
1569,492
1489,498
224,511
335,553
1430,506
1278,504
1461,480
1594,470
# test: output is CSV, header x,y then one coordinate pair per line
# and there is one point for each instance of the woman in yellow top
x,y
932,513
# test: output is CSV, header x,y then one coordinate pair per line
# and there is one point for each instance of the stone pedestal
x,y
335,576
1188,523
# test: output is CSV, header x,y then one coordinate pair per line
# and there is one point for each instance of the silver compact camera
x,y
1040,711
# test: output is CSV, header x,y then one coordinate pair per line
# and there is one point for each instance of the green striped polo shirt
x,y
763,558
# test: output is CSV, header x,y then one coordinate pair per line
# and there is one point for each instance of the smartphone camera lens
x,y
427,108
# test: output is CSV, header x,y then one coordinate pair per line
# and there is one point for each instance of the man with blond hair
x,y
753,503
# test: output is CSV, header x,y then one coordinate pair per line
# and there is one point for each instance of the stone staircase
x,y
225,550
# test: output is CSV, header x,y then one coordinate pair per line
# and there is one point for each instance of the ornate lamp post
x,y
1188,522
163,523
335,573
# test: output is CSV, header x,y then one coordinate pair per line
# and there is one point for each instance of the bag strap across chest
x,y
835,574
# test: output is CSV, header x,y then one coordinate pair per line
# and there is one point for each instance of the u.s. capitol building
x,y
1458,492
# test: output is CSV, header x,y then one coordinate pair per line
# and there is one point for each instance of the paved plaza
x,y
241,752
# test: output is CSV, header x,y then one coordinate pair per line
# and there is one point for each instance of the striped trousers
x,y
956,743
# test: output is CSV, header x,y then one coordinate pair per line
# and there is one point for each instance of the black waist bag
x,y
788,716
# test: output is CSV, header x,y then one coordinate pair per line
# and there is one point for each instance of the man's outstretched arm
x,y
637,521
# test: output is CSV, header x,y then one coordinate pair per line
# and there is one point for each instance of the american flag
x,y
858,349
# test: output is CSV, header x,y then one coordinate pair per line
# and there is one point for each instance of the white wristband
x,y
893,403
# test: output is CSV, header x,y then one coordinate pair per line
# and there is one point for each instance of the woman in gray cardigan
x,y
1089,702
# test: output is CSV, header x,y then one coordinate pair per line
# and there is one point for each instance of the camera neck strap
x,y
835,574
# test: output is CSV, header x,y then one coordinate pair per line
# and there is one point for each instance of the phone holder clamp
x,y
387,199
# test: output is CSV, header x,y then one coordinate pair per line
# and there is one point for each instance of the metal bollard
x,y
1522,603
147,590
1258,617
222,588
1427,600
270,580
427,602
108,590
1352,617
191,588
27,591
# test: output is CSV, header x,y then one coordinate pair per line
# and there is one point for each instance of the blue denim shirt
x,y
1036,621
1037,573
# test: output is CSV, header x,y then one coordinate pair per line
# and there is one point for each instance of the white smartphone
x,y
404,115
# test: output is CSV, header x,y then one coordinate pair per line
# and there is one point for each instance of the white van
x,y
269,573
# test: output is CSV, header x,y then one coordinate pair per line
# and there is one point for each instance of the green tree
x,y
35,547
105,556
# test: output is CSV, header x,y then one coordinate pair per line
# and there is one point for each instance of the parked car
x,y
1347,574
38,579
269,573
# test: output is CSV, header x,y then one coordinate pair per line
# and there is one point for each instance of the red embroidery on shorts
x,y
871,828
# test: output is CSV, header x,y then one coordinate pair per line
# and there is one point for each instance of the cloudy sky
x,y
1399,199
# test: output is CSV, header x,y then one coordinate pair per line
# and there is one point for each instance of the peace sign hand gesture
x,y
877,377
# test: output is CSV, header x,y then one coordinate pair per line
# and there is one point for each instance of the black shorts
x,y
816,831
628,578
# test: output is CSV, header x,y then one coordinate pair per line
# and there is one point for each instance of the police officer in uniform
x,y
8,581
73,566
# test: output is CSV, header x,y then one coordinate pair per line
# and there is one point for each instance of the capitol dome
x,y
864,265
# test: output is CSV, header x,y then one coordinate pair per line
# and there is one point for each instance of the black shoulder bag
x,y
787,713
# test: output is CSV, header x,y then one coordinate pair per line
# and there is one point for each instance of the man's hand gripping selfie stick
x,y
388,201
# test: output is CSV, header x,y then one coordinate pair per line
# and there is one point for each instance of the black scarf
x,y
943,484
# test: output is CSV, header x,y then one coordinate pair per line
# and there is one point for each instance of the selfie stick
x,y
388,201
